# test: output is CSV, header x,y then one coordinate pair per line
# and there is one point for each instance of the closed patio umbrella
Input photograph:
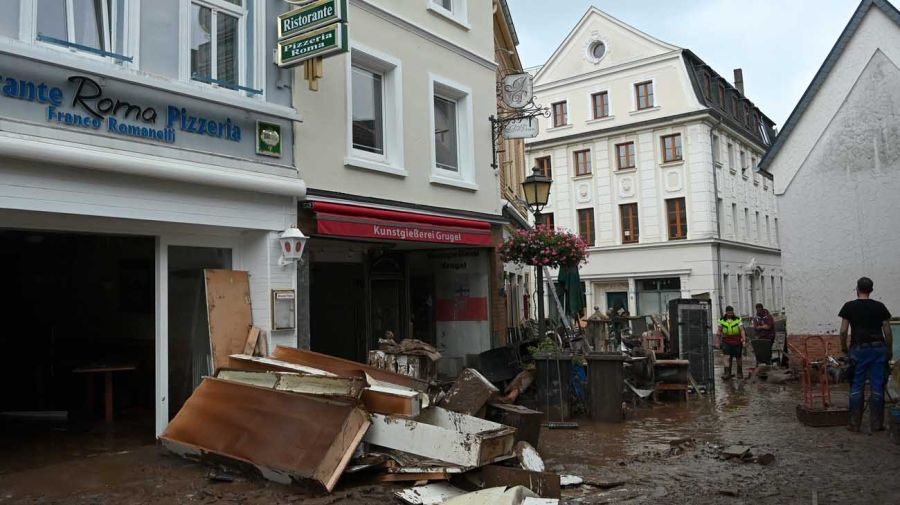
x,y
570,287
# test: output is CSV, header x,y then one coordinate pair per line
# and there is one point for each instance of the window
x,y
746,223
726,290
734,221
768,230
586,225
95,24
707,86
644,93
216,36
368,110
598,50
451,109
653,295
600,104
715,150
625,155
455,10
746,115
546,219
758,228
743,158
560,114
630,227
544,165
446,134
722,95
671,147
677,219
776,231
731,164
582,162
735,111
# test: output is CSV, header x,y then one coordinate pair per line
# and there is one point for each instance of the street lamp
x,y
537,191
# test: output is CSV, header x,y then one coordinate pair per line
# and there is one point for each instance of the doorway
x,y
337,310
617,301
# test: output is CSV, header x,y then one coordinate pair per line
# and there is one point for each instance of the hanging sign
x,y
311,16
522,128
518,90
324,41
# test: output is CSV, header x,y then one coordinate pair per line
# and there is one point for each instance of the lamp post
x,y
537,191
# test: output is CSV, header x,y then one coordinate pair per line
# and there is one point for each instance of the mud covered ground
x,y
635,461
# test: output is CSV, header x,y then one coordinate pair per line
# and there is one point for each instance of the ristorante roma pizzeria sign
x,y
82,104
313,30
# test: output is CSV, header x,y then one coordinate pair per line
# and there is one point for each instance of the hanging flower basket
x,y
544,246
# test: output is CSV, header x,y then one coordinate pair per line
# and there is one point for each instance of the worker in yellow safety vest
x,y
731,340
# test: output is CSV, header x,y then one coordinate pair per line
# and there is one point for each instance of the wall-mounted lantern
x,y
293,241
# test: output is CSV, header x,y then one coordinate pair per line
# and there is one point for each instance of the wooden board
x,y
252,337
229,313
544,484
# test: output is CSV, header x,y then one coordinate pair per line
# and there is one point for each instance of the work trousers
x,y
870,363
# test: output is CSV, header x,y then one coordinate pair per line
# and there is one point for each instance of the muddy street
x,y
664,453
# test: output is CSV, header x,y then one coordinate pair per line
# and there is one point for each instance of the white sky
x,y
779,43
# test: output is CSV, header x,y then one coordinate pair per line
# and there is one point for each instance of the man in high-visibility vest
x,y
731,340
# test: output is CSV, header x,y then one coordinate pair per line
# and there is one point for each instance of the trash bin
x,y
553,385
605,383
762,349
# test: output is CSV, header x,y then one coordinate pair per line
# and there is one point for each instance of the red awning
x,y
365,222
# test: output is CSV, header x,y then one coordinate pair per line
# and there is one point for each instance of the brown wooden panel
x,y
229,311
345,368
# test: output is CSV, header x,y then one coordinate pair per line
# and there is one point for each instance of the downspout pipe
x,y
719,283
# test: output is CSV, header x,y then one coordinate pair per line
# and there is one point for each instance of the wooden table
x,y
107,370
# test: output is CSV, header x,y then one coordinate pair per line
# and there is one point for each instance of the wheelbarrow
x,y
817,409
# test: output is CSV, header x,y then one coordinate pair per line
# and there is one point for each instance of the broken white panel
x,y
570,480
430,494
282,365
540,501
445,436
390,388
495,496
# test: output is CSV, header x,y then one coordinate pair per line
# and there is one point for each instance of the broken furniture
x,y
108,392
444,435
282,436
527,422
410,357
605,384
691,338
808,413
553,385
672,375
470,393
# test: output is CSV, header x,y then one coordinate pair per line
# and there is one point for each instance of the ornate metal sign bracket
x,y
517,113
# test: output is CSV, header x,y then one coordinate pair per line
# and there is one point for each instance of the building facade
x,y
403,208
652,155
836,165
128,164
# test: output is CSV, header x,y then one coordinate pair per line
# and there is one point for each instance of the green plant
x,y
544,346
544,246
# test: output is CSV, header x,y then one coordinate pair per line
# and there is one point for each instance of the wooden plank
x,y
411,477
243,361
469,393
345,368
233,422
544,484
252,337
384,401
229,313
294,382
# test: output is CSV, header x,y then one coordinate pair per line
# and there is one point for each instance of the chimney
x,y
739,80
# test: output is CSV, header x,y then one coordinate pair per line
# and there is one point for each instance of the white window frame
x,y
458,13
243,14
28,31
590,106
448,89
391,70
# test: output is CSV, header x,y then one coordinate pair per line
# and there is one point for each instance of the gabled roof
x,y
825,70
584,19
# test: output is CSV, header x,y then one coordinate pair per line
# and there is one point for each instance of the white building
x,y
652,155
837,175
403,208
128,163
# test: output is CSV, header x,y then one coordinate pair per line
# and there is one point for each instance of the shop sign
x,y
268,139
521,128
324,41
311,16
387,230
518,90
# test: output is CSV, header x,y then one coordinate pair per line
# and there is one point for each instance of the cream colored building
x,y
652,155
403,206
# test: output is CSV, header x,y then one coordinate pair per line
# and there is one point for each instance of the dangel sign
x,y
93,110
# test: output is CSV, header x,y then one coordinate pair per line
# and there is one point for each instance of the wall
x,y
323,139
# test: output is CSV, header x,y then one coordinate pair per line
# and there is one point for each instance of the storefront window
x,y
653,295
445,134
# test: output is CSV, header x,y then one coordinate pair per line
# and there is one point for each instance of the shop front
x,y
386,273
113,201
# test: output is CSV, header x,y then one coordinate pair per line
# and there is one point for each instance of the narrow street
x,y
636,461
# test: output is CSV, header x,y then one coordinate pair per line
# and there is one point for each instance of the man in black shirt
x,y
870,348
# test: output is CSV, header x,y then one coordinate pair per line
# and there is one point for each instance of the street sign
x,y
522,128
311,16
324,41
518,90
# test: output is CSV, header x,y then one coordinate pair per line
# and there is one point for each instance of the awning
x,y
365,222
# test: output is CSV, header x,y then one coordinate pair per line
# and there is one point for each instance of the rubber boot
x,y
855,420
727,374
876,420
740,370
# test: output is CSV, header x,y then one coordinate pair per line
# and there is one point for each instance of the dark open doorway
x,y
337,310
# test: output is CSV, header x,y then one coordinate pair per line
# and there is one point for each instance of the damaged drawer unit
x,y
445,436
